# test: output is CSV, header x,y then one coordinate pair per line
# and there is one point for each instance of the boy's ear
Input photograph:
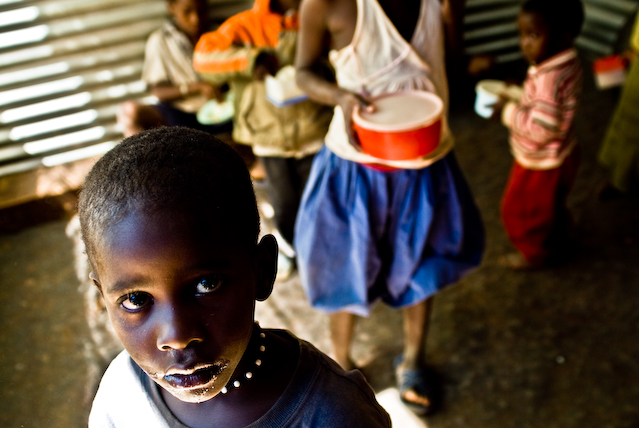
x,y
93,277
266,261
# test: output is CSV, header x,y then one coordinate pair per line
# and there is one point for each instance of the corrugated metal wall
x,y
65,66
490,27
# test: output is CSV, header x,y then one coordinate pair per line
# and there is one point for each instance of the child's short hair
x,y
561,16
169,167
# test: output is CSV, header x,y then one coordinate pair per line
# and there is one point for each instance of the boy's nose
x,y
178,330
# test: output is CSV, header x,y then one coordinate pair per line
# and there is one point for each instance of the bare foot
x,y
412,397
515,261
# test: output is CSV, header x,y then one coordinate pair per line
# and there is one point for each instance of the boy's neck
x,y
562,43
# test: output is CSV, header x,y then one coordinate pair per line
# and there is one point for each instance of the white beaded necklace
x,y
258,362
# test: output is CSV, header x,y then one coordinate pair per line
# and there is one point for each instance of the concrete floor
x,y
550,348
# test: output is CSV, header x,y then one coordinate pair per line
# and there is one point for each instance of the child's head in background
x,y
170,223
190,16
282,6
548,27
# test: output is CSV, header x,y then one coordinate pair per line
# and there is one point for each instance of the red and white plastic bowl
x,y
404,125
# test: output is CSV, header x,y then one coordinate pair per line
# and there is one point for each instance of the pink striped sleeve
x,y
546,112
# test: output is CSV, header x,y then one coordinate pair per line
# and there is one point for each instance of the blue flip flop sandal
x,y
420,381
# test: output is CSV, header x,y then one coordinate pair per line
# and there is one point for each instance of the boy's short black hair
x,y
168,167
561,16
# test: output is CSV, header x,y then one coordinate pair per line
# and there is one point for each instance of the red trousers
x,y
534,208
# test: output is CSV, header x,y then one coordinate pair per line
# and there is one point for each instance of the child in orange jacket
x,y
240,53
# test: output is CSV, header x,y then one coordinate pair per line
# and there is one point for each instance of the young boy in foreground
x,y
542,137
171,228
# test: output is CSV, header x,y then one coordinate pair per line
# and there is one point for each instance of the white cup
x,y
488,92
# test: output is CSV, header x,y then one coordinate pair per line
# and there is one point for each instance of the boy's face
x,y
534,38
190,16
180,294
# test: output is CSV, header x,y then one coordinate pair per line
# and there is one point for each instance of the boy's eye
x,y
208,284
136,300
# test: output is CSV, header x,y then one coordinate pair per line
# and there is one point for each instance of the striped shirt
x,y
541,124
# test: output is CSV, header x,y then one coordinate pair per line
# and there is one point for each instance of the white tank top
x,y
379,60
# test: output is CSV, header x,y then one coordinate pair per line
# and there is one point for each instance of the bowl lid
x,y
400,111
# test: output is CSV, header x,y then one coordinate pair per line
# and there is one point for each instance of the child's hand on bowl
x,y
498,107
348,101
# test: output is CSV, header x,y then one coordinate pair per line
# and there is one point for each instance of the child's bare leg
x,y
416,322
342,325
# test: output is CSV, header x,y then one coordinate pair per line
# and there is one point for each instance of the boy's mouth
x,y
196,378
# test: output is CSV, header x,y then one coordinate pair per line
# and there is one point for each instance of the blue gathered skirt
x,y
363,234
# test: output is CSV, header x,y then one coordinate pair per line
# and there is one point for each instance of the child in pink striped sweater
x,y
542,138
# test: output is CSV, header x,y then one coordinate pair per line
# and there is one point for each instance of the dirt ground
x,y
549,348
